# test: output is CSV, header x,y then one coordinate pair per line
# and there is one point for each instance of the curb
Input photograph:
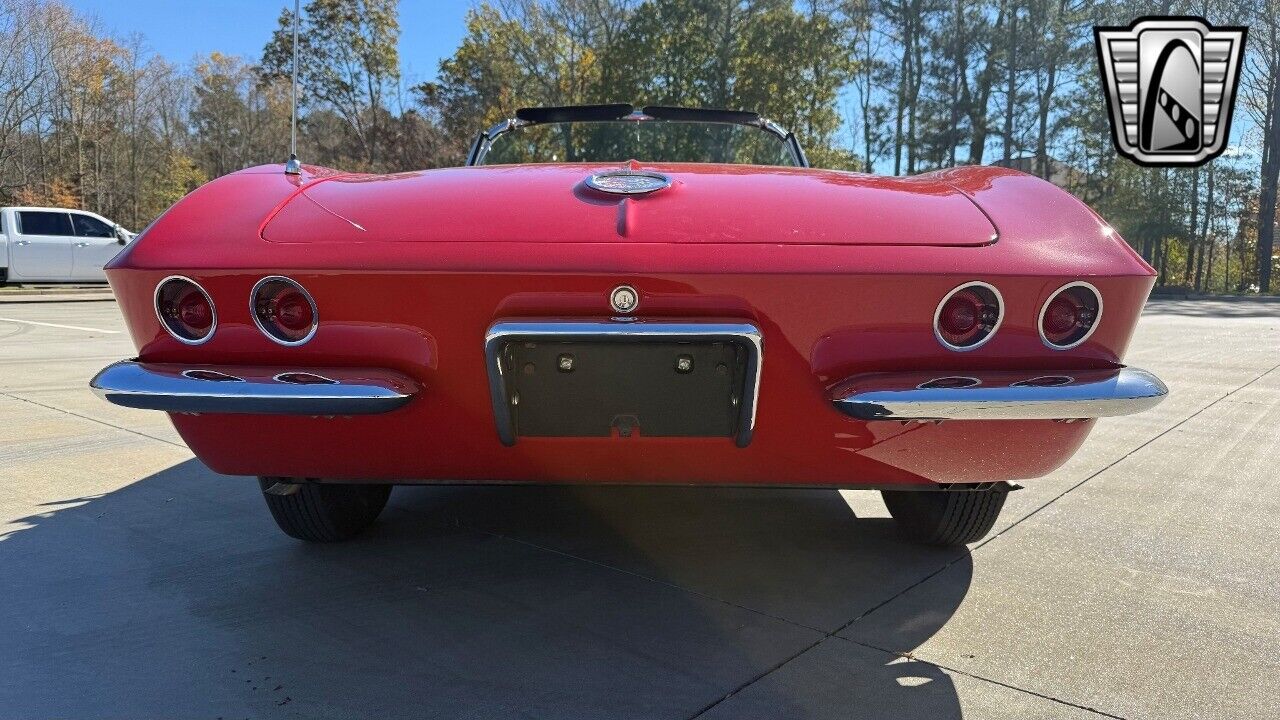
x,y
51,288
34,299
20,294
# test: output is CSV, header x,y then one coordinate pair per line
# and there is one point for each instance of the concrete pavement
x,y
1142,580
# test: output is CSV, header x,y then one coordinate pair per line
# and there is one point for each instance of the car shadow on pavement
x,y
177,596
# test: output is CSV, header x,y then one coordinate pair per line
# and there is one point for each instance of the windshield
x,y
644,140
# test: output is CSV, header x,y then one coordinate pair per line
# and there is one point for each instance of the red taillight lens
x,y
960,315
185,310
968,316
1070,316
293,311
284,310
1061,317
195,312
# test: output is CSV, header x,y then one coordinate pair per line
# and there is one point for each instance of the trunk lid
x,y
705,204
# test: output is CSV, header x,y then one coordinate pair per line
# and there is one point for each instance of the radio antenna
x,y
293,167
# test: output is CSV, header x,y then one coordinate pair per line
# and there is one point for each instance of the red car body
x,y
842,274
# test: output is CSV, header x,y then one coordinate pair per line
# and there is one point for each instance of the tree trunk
x,y
1208,270
959,78
1042,140
1269,176
916,75
1046,96
1244,258
978,103
1204,233
1267,205
866,132
1011,84
1226,269
1192,226
903,83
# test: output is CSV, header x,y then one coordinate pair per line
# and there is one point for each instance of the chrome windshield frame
x,y
484,140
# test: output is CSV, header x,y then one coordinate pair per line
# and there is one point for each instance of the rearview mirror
x,y
122,235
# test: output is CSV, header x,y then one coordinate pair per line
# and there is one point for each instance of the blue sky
x,y
181,29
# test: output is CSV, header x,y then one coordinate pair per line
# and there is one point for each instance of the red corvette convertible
x,y
613,295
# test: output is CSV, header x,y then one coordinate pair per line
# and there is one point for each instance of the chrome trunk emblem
x,y
624,299
628,182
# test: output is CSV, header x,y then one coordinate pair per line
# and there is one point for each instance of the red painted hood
x,y
705,203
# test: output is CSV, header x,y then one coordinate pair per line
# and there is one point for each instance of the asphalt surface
x,y
1142,580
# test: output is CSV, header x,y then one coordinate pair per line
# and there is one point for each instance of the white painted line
x,y
55,325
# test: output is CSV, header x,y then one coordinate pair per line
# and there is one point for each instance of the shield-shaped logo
x,y
1171,87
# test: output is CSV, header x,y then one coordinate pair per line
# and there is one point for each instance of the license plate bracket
x,y
610,379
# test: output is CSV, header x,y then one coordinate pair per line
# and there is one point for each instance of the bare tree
x,y
868,44
353,63
1260,86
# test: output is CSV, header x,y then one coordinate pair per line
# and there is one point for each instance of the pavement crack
x,y
64,411
956,671
707,708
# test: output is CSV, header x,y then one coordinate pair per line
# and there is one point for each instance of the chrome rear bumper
x,y
254,390
999,395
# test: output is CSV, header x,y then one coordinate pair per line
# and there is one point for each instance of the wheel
x,y
323,512
944,517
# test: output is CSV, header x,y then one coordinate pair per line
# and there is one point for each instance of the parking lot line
x,y
56,325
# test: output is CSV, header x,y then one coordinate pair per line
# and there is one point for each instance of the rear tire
x,y
944,517
324,512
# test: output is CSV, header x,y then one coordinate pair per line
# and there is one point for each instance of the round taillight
x,y
1070,315
283,310
968,316
185,310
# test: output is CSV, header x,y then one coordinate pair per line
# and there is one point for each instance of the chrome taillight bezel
x,y
1044,307
253,310
995,327
213,310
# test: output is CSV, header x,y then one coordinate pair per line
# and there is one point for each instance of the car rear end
x,y
751,328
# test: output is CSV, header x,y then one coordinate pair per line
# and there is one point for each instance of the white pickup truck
x,y
56,245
